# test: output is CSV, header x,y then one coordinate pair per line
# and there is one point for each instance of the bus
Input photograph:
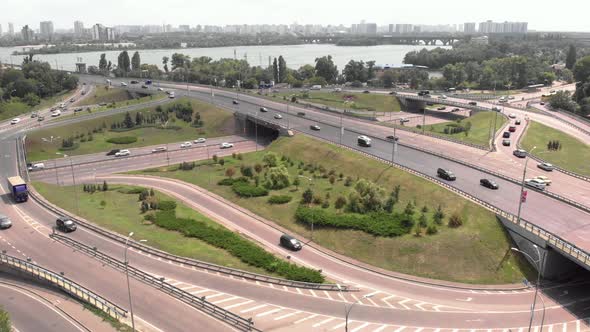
x,y
364,141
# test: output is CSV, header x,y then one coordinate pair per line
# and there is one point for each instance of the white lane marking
x,y
199,291
306,318
254,308
148,323
339,326
469,299
358,328
328,295
374,293
226,300
189,287
323,322
213,296
372,302
342,297
238,304
356,299
564,327
299,290
381,328
419,305
400,329
578,325
419,329
288,315
313,293
266,313
403,305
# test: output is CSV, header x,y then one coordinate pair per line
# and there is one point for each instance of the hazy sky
x,y
564,15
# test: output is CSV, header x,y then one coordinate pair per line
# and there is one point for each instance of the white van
x,y
171,95
37,167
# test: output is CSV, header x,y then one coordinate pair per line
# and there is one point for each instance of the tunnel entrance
x,y
256,128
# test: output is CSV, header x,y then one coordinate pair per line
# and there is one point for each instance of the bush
x,y
167,205
376,223
226,182
455,220
279,199
340,202
247,171
307,196
431,230
237,246
122,140
245,189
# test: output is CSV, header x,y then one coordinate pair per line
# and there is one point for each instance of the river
x,y
295,55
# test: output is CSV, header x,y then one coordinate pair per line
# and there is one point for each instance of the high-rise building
x,y
469,27
506,27
100,32
46,29
404,28
27,33
364,28
11,29
78,28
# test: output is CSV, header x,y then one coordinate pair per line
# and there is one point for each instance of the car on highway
x,y
113,152
442,97
535,183
102,104
134,82
5,222
393,93
520,153
123,84
226,145
14,121
56,113
366,91
512,116
542,103
424,93
36,167
65,224
186,145
404,120
546,167
148,82
511,97
456,109
363,141
263,109
40,118
496,109
512,129
278,116
235,102
291,243
123,153
544,179
34,115
506,142
392,138
337,90
517,122
446,174
491,184
301,113
72,100
160,89
79,109
144,86
506,134
200,140
473,103
314,127
159,149
442,108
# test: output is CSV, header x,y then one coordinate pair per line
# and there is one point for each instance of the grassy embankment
x,y
573,155
216,122
348,101
14,109
473,253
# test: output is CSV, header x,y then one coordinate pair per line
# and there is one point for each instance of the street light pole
x,y
348,309
127,275
522,184
394,146
538,263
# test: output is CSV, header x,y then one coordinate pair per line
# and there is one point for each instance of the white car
x,y
226,145
546,167
511,97
123,153
56,113
535,183
544,179
123,84
278,116
160,89
36,167
512,116
159,149
200,140
443,97
14,121
186,145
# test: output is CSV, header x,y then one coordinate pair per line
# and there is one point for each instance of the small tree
x,y
152,192
258,168
215,158
340,202
229,172
418,230
438,216
105,186
431,230
348,181
296,183
409,210
422,221
455,220
307,196
270,159
332,179
221,161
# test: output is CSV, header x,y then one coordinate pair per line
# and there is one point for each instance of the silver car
x,y
546,167
535,183
5,222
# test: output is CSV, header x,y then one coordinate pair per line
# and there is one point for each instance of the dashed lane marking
x,y
238,304
254,308
360,327
403,305
399,329
288,315
226,300
323,322
380,328
328,295
269,312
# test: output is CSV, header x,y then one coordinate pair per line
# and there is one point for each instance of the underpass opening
x,y
258,129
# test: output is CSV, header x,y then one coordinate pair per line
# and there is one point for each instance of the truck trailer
x,y
18,189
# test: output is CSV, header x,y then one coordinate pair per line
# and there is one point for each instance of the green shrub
x,y
167,205
279,199
245,189
455,220
237,246
376,223
122,140
431,230
226,182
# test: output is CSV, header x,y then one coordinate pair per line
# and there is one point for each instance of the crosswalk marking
x,y
313,293
238,304
254,308
214,295
323,322
342,297
266,313
306,318
399,329
339,326
403,305
288,315
360,327
226,300
299,291
199,291
380,328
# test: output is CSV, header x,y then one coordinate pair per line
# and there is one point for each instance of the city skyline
x,y
303,12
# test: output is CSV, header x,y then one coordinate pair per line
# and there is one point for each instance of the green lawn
x,y
217,122
350,101
573,156
122,214
105,94
473,253
13,109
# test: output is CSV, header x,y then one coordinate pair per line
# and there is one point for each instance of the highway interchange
x,y
396,304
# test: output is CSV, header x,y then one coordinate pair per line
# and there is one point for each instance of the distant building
x,y
79,28
469,27
46,29
27,33
184,28
102,33
404,28
489,27
364,29
11,29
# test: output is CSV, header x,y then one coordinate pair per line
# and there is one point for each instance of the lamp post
x,y
394,148
522,184
127,275
538,264
348,309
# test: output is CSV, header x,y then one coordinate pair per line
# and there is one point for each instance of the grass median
x,y
93,135
180,230
473,253
572,154
347,100
14,109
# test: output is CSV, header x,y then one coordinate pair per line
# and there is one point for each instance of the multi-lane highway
x,y
396,304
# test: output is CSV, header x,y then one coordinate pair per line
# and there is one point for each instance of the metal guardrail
x,y
65,284
199,303
554,240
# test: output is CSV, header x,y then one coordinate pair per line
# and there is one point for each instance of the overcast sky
x,y
564,15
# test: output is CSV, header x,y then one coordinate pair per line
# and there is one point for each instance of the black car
x,y
392,138
144,86
472,103
489,184
446,174
134,82
113,152
506,134
64,224
301,113
235,102
517,122
366,91
263,109
290,242
5,222
314,127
